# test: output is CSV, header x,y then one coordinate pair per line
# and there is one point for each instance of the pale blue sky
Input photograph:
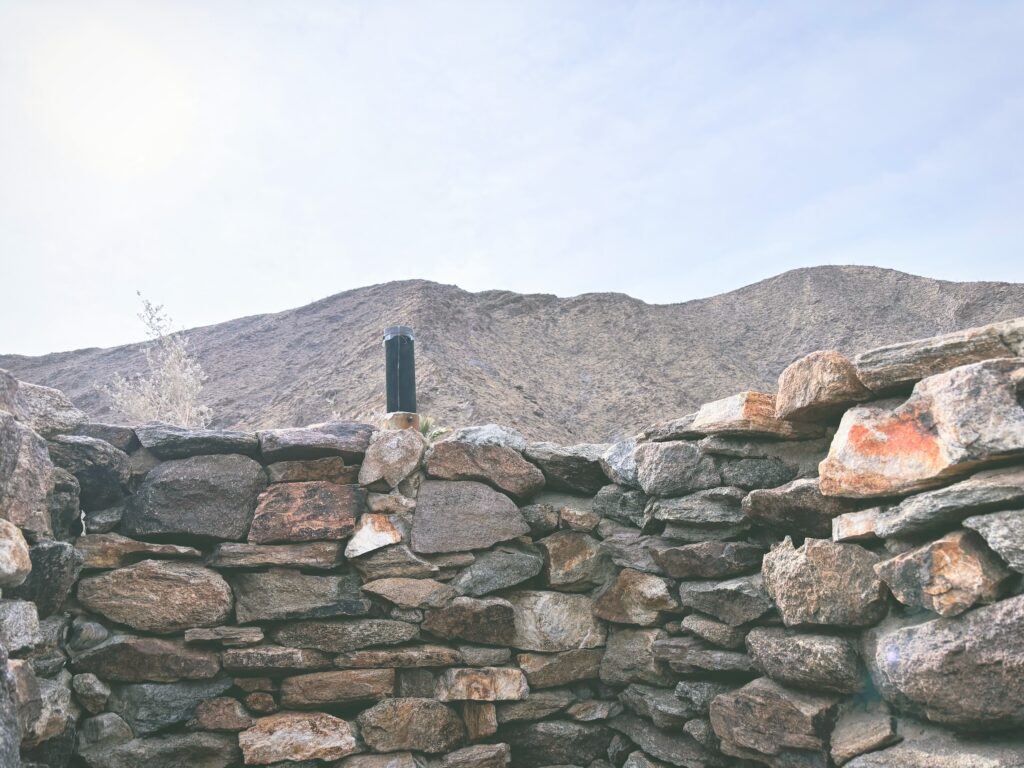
x,y
230,158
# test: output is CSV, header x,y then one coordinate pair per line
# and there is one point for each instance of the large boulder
x,y
314,511
166,441
158,596
392,455
101,469
283,593
824,583
204,497
554,621
966,672
818,387
25,477
461,516
466,456
953,423
295,736
419,724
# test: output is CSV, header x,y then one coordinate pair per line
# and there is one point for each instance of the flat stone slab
x,y
458,516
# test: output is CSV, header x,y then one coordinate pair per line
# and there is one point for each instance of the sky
x,y
228,158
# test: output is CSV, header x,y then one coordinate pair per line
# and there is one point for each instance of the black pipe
x,y
400,368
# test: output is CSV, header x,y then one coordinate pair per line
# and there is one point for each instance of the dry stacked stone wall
x,y
826,575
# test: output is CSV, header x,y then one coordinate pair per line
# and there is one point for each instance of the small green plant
x,y
430,430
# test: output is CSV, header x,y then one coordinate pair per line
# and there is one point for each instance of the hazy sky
x,y
230,158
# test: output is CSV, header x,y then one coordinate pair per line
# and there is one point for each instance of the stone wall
x,y
827,575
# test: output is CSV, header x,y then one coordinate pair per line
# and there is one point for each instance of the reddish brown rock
x,y
500,466
319,555
393,455
554,621
748,413
158,596
306,512
635,598
422,725
295,736
111,550
373,532
222,714
326,689
574,561
227,637
272,659
261,702
715,632
818,387
484,620
951,424
348,439
481,719
547,670
412,593
947,576
824,583
799,660
125,658
797,508
478,756
482,684
331,469
284,593
407,657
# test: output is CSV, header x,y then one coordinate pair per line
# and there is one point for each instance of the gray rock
x,y
316,555
166,441
669,745
397,561
574,561
625,505
499,569
19,625
690,656
500,466
206,497
714,632
629,658
553,621
551,670
924,747
121,437
91,692
25,477
628,548
177,750
101,469
392,455
675,469
573,468
697,695
344,636
962,672
797,508
10,729
1004,533
556,742
487,620
736,601
536,706
815,662
751,473
707,513
46,411
105,520
660,705
619,463
710,559
55,568
477,756
348,439
461,516
418,724
283,593
150,707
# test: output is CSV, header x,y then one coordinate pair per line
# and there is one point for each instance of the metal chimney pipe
x,y
400,368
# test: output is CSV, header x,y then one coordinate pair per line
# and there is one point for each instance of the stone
x,y
195,750
639,760
393,562
671,746
283,593
102,471
46,638
21,700
335,688
260,703
272,659
15,562
105,520
855,526
1004,533
500,466
756,472
622,504
690,656
331,469
478,756
478,620
823,583
291,512
460,516
393,760
818,387
25,477
574,561
628,548
226,637
348,439
484,656
62,503
966,672
315,555
579,519
953,423
659,705
542,518
573,468
619,463
50,737
166,441
710,559
500,569
860,731
697,695
712,513
393,503
815,662
675,469
556,742
91,692
86,634
111,550
897,366
373,532
151,707
947,576
714,632
46,411
222,714
126,658
592,710
550,670
158,596
797,508
554,621
204,497
765,722
418,724
55,568
669,430
944,508
343,636
482,684
734,602
406,657
749,413
536,706
933,748
411,593
635,597
392,455
629,658
295,736
121,437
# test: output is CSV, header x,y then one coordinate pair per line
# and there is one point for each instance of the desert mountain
x,y
590,367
